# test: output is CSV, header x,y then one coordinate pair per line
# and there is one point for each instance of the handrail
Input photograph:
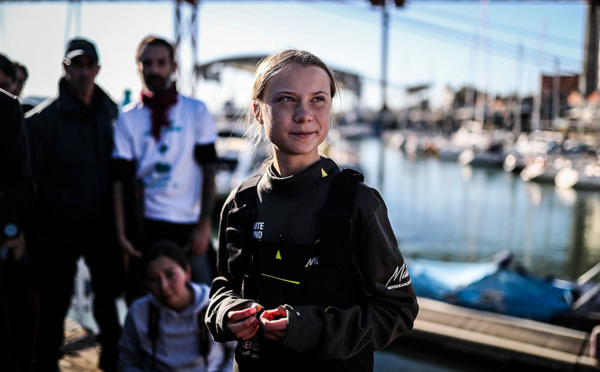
x,y
586,297
588,275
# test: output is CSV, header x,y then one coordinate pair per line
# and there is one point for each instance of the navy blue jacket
x,y
16,186
71,146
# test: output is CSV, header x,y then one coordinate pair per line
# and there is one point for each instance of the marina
x,y
451,212
446,211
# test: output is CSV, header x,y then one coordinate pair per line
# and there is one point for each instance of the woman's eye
x,y
319,99
286,99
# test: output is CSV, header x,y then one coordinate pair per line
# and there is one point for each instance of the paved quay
x,y
81,349
504,337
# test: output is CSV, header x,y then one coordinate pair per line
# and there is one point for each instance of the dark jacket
x,y
348,304
71,146
16,198
16,185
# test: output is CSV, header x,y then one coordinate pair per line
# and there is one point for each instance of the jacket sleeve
x,y
16,184
390,304
131,351
226,288
38,144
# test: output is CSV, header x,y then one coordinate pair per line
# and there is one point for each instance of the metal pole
x,y
556,91
470,91
177,34
481,101
537,100
518,101
384,55
589,81
588,275
194,36
383,115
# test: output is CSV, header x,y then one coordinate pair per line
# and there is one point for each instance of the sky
x,y
500,47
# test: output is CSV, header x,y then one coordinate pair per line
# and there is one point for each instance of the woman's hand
x,y
242,322
274,323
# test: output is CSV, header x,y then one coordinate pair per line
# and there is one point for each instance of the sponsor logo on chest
x,y
257,232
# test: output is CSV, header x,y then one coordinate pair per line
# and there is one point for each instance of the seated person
x,y
165,330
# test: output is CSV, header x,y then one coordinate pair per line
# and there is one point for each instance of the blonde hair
x,y
271,66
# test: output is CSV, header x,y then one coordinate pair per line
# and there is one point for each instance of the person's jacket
x,y
177,342
346,307
71,146
16,184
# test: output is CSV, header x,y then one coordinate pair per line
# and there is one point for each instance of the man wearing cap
x,y
71,143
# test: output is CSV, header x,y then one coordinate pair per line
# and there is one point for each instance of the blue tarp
x,y
512,293
440,280
488,286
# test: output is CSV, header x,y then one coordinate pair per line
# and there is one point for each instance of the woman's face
x,y
167,281
295,110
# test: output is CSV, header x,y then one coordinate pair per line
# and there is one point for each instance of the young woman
x,y
165,330
311,277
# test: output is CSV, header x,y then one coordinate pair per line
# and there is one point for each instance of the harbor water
x,y
446,211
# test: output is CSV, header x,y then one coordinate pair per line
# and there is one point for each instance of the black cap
x,y
80,47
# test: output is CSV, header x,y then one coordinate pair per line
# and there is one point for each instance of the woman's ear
x,y
257,113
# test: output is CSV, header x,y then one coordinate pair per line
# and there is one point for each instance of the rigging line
x,y
445,28
571,62
336,10
468,37
447,31
334,38
374,23
504,28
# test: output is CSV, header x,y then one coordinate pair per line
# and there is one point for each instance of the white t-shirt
x,y
171,176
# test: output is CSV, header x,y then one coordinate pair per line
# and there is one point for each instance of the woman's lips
x,y
303,134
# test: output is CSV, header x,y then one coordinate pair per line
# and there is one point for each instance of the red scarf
x,y
159,108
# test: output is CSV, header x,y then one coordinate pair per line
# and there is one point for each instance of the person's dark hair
x,y
166,248
22,68
152,40
7,67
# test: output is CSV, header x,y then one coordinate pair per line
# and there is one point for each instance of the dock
x,y
505,337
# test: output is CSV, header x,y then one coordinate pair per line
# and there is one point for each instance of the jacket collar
x,y
69,105
299,183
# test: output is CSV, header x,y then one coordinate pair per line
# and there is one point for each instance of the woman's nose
x,y
303,113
